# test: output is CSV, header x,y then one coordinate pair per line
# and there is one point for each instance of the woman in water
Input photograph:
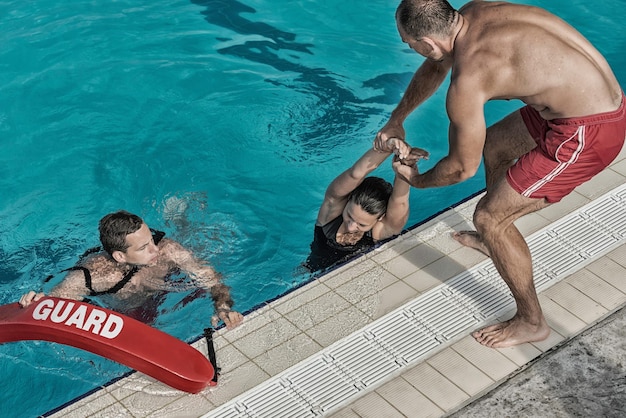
x,y
359,211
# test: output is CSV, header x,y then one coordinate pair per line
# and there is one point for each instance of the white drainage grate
x,y
337,374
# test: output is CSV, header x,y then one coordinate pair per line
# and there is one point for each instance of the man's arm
x,y
466,136
72,287
206,277
426,80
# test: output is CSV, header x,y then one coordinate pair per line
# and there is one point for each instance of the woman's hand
x,y
405,171
397,146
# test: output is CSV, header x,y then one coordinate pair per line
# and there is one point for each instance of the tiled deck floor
x,y
306,321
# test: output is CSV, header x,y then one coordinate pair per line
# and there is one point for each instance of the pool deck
x,y
280,346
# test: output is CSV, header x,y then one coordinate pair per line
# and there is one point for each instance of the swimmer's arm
x,y
201,272
206,277
340,188
397,208
72,287
223,302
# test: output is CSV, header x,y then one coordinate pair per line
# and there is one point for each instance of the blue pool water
x,y
241,112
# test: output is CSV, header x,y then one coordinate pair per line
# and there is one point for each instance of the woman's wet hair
x,y
420,18
372,195
113,230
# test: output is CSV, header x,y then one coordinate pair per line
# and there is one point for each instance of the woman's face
x,y
356,219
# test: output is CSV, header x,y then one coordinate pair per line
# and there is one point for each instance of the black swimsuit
x,y
156,236
326,251
114,289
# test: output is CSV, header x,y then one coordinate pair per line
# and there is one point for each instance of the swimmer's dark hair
x,y
420,18
372,195
113,230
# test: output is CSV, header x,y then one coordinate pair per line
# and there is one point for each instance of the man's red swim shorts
x,y
569,152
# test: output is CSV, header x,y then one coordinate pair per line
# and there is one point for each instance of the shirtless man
x,y
572,127
134,266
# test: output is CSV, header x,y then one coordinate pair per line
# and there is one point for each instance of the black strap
x,y
116,288
208,334
157,236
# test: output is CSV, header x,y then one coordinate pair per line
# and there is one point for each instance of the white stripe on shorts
x,y
562,166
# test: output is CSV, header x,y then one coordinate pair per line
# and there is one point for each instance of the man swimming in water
x,y
571,127
359,211
133,269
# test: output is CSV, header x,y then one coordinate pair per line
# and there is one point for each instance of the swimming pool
x,y
240,111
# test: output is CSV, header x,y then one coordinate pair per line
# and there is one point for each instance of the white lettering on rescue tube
x,y
84,318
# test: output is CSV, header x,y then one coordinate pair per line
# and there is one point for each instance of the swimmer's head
x,y
114,228
372,195
367,204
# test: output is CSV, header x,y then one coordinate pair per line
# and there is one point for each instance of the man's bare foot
x,y
512,332
471,239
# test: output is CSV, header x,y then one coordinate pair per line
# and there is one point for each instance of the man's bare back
x,y
510,51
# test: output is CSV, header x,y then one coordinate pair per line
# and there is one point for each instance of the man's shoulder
x,y
469,80
170,244
97,265
172,250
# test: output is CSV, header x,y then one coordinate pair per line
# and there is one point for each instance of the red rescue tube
x,y
111,335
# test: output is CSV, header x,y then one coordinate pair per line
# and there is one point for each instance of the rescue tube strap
x,y
208,334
